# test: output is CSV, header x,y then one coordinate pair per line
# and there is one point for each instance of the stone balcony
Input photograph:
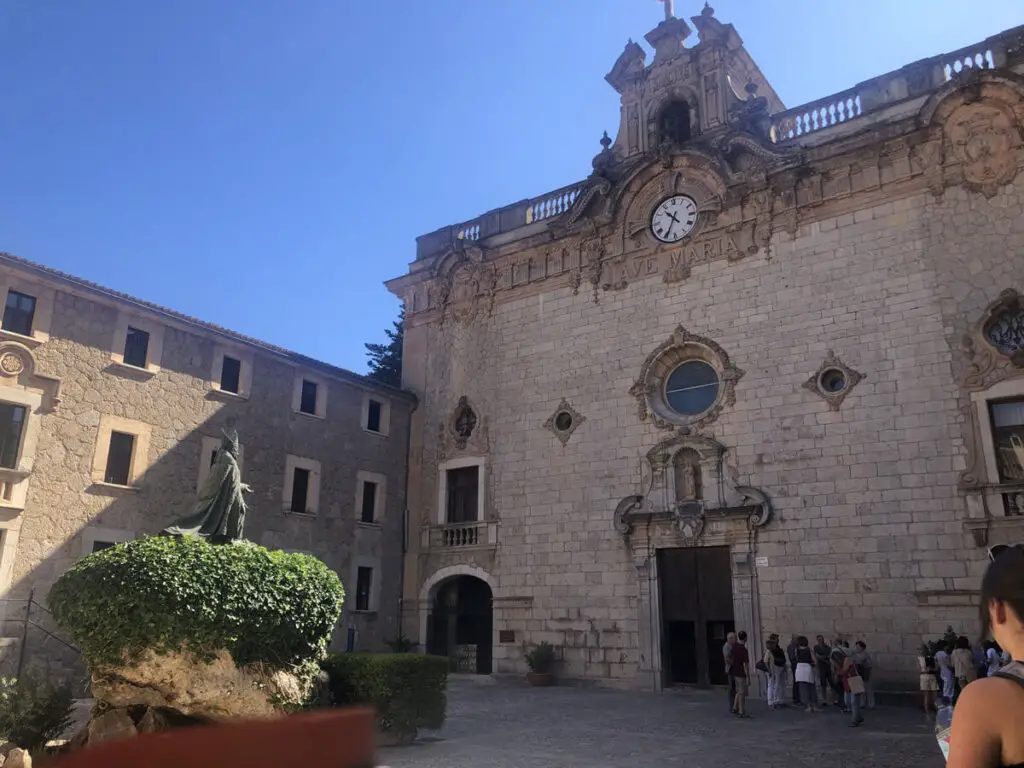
x,y
454,537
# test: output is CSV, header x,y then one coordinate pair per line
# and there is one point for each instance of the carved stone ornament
x,y
11,364
564,421
649,387
1004,328
982,138
833,381
721,498
18,363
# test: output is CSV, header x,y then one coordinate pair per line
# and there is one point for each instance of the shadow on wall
x,y
70,512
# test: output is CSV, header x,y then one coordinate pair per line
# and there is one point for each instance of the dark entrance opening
x,y
674,122
460,625
696,610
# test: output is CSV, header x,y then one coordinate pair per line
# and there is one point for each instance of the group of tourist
x,y
844,674
986,684
946,670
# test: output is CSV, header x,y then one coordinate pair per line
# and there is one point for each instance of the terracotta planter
x,y
540,679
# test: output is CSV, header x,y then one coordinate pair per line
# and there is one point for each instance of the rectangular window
x,y
364,581
300,490
12,423
369,513
136,347
1008,435
19,313
230,374
373,416
119,458
98,545
307,404
463,494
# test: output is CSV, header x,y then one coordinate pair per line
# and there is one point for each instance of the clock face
x,y
674,218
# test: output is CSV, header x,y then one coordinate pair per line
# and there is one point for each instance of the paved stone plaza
x,y
501,726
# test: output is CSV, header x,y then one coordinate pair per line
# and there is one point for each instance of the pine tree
x,y
386,359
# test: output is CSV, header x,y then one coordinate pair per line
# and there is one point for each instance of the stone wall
x,y
65,509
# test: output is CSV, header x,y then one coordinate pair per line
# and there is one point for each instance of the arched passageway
x,y
460,624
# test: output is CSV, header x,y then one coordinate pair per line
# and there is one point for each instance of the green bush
x,y
33,713
169,594
407,689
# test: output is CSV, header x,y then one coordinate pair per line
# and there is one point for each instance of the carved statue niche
x,y
463,422
690,483
689,480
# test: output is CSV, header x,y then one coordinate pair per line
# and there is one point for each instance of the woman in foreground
x,y
988,722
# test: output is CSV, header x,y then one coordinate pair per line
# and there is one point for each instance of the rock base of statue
x,y
166,691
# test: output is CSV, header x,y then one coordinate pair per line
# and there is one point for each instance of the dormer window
x,y
674,122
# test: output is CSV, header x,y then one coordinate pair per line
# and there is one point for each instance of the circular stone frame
x,y
683,346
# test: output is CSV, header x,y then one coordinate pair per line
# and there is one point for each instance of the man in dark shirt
x,y
822,651
739,672
730,641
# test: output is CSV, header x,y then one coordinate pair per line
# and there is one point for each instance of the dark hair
x,y
963,642
741,635
861,644
801,641
1004,582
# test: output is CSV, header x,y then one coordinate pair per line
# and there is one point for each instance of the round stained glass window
x,y
692,388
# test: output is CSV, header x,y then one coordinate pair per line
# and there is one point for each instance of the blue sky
x,y
267,164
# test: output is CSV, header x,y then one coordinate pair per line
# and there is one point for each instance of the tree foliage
x,y
386,359
168,594
33,712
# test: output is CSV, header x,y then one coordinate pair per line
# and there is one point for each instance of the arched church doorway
x,y
460,624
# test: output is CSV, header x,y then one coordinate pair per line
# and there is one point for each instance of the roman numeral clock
x,y
674,218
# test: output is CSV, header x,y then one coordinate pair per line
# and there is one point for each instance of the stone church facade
x,y
111,410
762,369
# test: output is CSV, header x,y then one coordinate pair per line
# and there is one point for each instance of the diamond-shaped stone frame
x,y
834,399
564,434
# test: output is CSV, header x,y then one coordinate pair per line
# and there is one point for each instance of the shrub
x,y
407,689
541,658
32,713
168,594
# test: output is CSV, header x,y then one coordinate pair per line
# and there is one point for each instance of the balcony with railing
x,y
909,82
457,536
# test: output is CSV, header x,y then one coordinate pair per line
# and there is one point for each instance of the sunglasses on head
x,y
999,549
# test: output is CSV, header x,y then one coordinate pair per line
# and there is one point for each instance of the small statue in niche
x,y
688,478
465,422
219,511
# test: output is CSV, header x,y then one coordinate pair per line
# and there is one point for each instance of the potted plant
x,y
541,660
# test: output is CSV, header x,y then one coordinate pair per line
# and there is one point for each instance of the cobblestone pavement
x,y
507,726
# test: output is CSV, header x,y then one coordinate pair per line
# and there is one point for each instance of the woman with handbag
x,y
853,687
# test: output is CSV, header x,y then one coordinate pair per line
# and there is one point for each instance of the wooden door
x,y
696,606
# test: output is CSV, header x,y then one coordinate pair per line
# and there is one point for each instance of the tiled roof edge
x,y
295,357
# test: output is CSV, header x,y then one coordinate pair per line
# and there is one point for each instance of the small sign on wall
x,y
761,562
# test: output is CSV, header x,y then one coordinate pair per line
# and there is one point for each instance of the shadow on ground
x,y
506,726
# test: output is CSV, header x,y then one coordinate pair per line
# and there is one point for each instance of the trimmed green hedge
x,y
167,594
407,689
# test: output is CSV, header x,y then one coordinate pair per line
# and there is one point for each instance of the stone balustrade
x,y
912,81
847,107
450,536
547,207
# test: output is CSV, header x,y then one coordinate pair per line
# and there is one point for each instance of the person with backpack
x,y
988,721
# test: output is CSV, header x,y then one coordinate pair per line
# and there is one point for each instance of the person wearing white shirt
x,y
942,661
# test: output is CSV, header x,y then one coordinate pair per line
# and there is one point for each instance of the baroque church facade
x,y
762,369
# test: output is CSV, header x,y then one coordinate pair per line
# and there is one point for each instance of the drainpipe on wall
x,y
405,519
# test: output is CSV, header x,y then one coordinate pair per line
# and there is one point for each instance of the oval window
x,y
692,388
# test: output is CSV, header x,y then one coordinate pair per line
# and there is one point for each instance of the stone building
x,y
111,410
762,369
